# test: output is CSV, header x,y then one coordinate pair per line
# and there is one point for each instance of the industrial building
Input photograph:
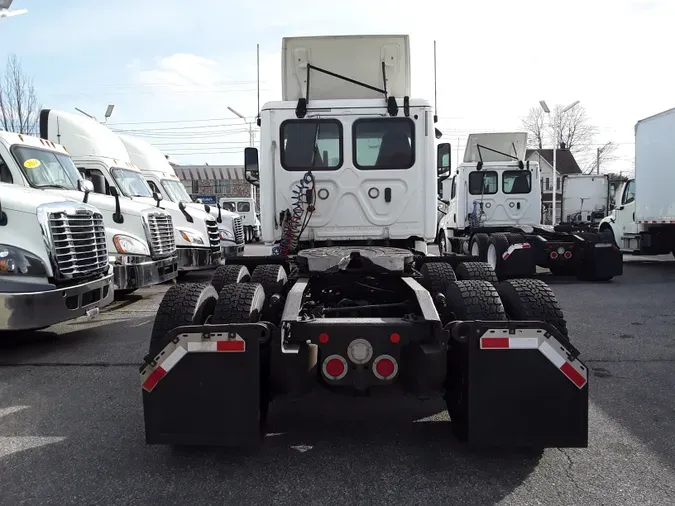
x,y
211,182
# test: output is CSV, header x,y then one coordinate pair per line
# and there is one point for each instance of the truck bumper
x,y
229,249
36,310
198,259
130,274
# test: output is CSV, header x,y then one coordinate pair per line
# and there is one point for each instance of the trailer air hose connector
x,y
296,220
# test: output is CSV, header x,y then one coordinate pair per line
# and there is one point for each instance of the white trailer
x,y
643,223
585,199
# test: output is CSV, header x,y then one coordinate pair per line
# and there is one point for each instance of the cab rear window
x,y
483,182
516,181
311,144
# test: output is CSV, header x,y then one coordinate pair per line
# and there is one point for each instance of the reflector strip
x,y
167,364
153,379
234,345
514,247
499,339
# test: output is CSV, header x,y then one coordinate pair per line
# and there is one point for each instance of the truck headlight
x,y
19,262
191,237
226,235
130,246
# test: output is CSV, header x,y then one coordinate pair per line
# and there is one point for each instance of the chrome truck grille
x,y
76,237
214,235
159,229
238,230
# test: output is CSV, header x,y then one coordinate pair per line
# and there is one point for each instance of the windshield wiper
x,y
60,187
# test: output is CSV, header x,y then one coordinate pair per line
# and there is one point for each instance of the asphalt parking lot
x,y
71,423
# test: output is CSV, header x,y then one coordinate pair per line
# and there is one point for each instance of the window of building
x,y
222,187
311,144
384,143
516,181
548,184
483,182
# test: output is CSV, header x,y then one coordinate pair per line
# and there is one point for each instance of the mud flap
x,y
516,384
203,388
600,261
517,262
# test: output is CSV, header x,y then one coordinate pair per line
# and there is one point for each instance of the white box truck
x,y
99,154
53,258
162,179
140,244
643,223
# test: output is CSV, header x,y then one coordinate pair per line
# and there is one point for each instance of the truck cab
x,y
250,218
140,250
163,180
53,258
101,157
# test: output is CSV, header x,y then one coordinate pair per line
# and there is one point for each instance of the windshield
x,y
46,169
132,183
176,191
228,206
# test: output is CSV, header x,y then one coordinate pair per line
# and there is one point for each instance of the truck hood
x,y
103,202
227,216
176,214
26,200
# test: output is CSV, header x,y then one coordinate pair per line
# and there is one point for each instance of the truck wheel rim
x,y
492,256
474,249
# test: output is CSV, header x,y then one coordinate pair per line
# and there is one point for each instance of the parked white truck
x,y
643,223
352,303
246,208
139,247
100,155
494,213
163,180
585,199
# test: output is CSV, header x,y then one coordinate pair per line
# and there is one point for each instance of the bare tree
x,y
534,124
19,109
603,155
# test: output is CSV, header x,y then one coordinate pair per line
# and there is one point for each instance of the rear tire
x,y
479,245
532,299
476,270
474,300
272,277
186,304
437,277
239,303
229,274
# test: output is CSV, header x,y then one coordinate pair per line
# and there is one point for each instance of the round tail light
x,y
385,367
568,254
554,255
334,367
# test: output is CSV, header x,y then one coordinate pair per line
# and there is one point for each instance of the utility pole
x,y
597,162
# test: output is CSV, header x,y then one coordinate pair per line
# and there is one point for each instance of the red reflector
x,y
554,255
495,342
335,367
154,378
395,338
526,245
571,246
573,374
230,346
385,367
323,338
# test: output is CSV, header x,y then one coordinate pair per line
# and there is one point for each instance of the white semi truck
x,y
246,208
139,247
494,214
643,223
585,200
352,303
163,180
100,155
53,258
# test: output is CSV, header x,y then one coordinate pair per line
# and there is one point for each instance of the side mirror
x,y
251,173
86,186
443,158
157,196
114,192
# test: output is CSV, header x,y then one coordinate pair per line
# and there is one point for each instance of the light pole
x,y
556,134
251,136
108,113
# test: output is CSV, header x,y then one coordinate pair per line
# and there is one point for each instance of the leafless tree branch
x,y
19,108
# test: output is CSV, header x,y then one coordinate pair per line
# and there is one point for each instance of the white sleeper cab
x,y
102,158
163,180
141,248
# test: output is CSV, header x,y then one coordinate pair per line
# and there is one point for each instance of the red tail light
x,y
554,255
334,367
568,254
385,367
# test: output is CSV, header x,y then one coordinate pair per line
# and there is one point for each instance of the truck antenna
x,y
257,51
435,92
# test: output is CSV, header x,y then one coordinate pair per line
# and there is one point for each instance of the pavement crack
x,y
73,364
569,471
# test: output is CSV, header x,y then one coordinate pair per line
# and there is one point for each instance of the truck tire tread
x,y
272,277
185,304
437,276
476,270
482,240
475,300
532,299
239,303
229,274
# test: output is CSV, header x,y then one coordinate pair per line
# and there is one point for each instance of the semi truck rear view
x,y
351,302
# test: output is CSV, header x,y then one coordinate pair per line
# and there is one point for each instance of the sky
x,y
172,70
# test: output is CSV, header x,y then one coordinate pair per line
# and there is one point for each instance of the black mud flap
x,y
600,261
203,388
517,262
516,384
